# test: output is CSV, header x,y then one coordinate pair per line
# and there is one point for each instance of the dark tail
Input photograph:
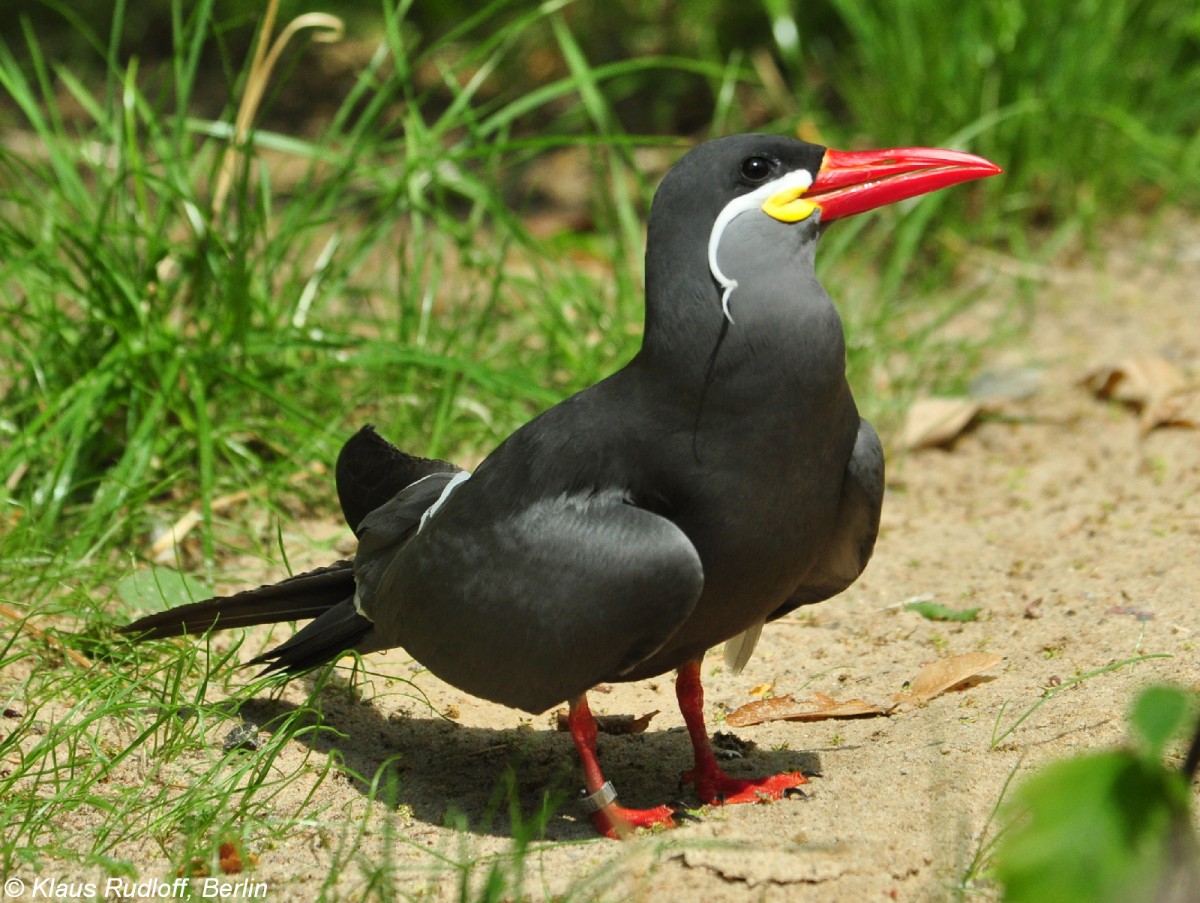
x,y
370,472
326,594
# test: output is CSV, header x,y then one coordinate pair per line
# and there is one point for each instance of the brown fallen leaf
x,y
935,422
610,724
932,680
937,677
1147,382
230,858
818,707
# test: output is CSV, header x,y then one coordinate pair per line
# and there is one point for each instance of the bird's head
x,y
739,216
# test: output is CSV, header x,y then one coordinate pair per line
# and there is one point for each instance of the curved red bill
x,y
851,182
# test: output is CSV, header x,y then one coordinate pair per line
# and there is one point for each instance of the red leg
x,y
713,786
610,819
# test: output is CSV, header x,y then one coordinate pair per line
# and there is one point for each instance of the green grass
x,y
157,338
1000,736
1089,106
161,351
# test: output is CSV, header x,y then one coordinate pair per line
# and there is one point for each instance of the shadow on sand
x,y
476,778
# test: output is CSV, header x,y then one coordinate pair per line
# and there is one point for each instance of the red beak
x,y
851,182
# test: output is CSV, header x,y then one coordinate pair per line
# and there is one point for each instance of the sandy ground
x,y
1076,536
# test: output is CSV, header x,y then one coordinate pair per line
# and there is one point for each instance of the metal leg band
x,y
594,802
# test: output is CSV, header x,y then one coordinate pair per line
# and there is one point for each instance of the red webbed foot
x,y
716,788
618,822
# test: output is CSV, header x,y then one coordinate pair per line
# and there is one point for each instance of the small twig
x,y
182,527
22,621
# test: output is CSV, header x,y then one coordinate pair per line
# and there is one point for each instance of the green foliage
x,y
166,335
934,612
1159,714
1082,103
1112,826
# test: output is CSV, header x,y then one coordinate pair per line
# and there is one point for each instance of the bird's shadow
x,y
493,781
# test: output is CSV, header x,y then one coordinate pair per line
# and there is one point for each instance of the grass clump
x,y
1087,105
178,319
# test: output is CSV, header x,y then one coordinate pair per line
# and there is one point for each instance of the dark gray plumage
x,y
719,480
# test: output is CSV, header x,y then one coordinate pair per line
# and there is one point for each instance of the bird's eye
x,y
755,169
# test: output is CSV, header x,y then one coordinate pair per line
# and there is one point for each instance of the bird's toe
x,y
719,789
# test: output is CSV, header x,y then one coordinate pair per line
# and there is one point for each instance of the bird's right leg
x,y
610,819
714,786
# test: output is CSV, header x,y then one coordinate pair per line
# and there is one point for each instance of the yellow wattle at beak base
x,y
789,205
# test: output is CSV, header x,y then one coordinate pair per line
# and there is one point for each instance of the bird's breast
x,y
758,500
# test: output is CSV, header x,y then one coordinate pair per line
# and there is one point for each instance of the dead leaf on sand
x,y
818,707
1147,382
230,858
935,422
610,724
937,677
932,680
762,691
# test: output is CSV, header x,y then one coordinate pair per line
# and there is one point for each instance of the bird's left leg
x,y
712,784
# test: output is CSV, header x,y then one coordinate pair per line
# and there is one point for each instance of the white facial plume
x,y
799,179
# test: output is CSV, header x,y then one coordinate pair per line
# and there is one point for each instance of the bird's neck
x,y
691,347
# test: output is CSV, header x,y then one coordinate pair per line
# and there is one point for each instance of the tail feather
x,y
739,648
297,598
331,635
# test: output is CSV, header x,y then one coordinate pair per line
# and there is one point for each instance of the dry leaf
x,y
610,724
934,422
1147,382
818,707
230,858
763,690
932,680
937,677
